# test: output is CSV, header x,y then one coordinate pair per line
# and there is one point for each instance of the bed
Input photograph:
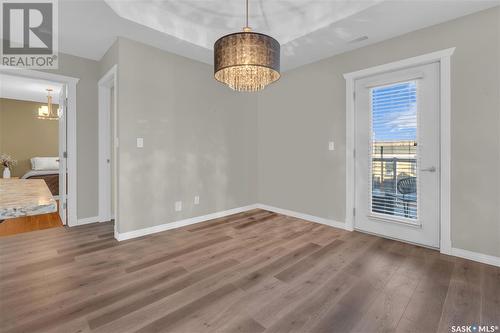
x,y
46,168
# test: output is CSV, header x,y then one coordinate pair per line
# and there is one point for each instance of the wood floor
x,y
250,272
30,223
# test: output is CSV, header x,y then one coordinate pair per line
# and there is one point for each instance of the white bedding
x,y
32,173
44,163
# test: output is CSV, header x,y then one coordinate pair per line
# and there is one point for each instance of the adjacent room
x,y
29,143
250,166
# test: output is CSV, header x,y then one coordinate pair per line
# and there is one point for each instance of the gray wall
x,y
86,119
109,59
306,108
199,139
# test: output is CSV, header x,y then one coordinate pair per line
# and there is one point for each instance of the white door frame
x,y
105,84
71,82
443,58
63,149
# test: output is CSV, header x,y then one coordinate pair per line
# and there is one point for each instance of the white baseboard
x,y
312,218
203,218
105,219
476,256
88,220
181,223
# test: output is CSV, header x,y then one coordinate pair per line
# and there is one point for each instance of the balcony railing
x,y
387,196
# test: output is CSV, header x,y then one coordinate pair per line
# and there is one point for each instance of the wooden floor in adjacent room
x,y
250,272
30,223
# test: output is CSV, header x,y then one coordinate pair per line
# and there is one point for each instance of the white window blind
x,y
393,171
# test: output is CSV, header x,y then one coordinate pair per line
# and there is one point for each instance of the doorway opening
x,y
35,135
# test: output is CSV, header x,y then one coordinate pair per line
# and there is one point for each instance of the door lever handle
x,y
429,169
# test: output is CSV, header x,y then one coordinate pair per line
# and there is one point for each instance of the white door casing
x,y
444,59
63,154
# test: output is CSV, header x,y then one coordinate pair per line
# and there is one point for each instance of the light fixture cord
x,y
247,13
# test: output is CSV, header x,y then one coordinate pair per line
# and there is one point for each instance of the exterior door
x,y
397,154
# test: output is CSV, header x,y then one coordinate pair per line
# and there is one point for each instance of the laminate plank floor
x,y
251,272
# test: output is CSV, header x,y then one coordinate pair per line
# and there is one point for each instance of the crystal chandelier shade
x,y
247,61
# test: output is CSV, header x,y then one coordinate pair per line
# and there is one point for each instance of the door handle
x,y
429,169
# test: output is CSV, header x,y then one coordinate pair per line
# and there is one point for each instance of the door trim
x,y
71,82
443,58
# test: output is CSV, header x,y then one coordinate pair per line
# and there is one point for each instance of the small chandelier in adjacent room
x,y
47,112
247,61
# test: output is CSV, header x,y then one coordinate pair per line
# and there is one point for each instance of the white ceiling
x,y
203,22
26,89
308,30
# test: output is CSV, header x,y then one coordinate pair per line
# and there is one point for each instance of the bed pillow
x,y
45,163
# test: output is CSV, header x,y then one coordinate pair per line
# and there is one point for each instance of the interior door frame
x,y
71,83
63,142
107,82
442,57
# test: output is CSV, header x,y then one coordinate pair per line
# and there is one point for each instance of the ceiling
x,y
308,30
203,22
27,89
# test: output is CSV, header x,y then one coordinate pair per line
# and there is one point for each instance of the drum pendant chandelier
x,y
247,61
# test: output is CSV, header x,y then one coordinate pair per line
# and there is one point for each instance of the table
x,y
25,197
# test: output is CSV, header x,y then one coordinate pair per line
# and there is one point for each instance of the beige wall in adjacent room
x,y
1,125
199,139
306,109
23,135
